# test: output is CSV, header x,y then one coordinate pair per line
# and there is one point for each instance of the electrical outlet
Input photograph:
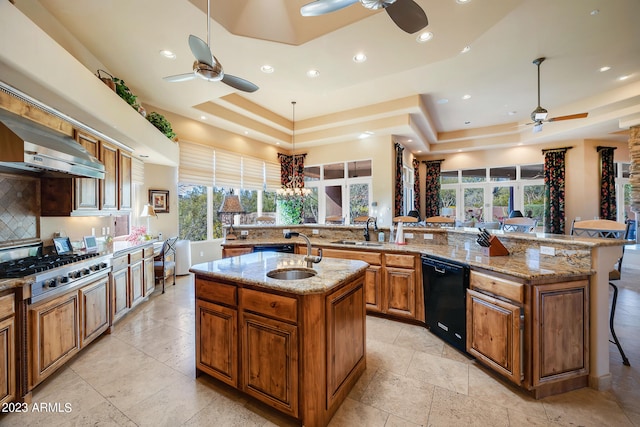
x,y
201,253
547,250
285,231
315,231
244,232
428,236
408,235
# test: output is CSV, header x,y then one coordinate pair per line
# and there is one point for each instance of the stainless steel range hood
x,y
29,146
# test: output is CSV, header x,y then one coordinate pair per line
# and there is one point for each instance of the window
x,y
192,212
337,189
623,192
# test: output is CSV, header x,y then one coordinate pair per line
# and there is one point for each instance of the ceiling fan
x,y
207,66
539,115
407,14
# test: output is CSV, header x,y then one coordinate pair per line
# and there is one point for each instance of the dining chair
x,y
405,219
265,220
164,264
440,221
334,219
519,224
605,228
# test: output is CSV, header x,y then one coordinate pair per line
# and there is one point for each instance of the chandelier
x,y
295,188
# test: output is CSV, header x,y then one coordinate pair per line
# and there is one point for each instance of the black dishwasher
x,y
286,248
445,286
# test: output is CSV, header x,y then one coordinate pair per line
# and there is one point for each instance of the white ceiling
x,y
396,91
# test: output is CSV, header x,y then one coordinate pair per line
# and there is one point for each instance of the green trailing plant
x,y
162,124
125,93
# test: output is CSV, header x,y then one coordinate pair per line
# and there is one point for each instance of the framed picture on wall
x,y
159,199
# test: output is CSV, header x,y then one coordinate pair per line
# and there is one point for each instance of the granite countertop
x,y
527,265
7,284
251,269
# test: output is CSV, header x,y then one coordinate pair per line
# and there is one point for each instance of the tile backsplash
x,y
19,208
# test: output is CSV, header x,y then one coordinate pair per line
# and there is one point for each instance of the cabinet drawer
x,y
497,286
374,258
118,263
135,256
276,306
148,252
7,306
216,292
403,261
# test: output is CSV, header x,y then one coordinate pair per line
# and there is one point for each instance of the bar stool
x,y
606,228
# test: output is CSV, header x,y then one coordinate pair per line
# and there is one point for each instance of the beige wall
x,y
159,177
381,152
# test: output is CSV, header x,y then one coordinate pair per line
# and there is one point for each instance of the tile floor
x,y
143,375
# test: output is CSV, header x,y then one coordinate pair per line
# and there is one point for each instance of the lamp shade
x,y
231,204
148,211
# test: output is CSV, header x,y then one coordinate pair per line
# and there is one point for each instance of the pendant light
x,y
294,188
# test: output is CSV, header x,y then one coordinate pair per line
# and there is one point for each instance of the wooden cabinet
x,y
236,251
136,278
119,287
494,334
7,348
54,335
149,274
87,189
124,180
534,334
391,282
217,341
56,196
94,311
109,185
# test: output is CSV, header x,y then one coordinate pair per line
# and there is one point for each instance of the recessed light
x,y
605,68
465,49
360,57
419,151
203,117
365,134
267,69
313,73
466,96
459,151
246,132
409,140
463,1
442,101
168,54
625,77
277,143
424,37
594,12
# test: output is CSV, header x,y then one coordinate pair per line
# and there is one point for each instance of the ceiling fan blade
x,y
238,83
320,7
180,77
569,117
408,15
200,50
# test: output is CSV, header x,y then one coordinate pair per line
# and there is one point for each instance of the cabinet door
x,y
373,288
56,196
229,252
54,336
120,294
149,277
124,171
217,341
109,185
136,279
7,360
270,361
399,292
494,334
86,190
560,331
94,306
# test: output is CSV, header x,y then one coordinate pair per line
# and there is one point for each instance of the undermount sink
x,y
292,273
357,243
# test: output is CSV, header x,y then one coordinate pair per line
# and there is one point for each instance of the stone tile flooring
x,y
143,375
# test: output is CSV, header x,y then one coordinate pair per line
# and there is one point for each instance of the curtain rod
x,y
601,147
556,149
433,161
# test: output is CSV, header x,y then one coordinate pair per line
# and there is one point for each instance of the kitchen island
x,y
296,345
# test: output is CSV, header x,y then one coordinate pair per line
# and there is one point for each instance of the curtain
x,y
554,165
607,184
416,185
399,191
432,189
289,177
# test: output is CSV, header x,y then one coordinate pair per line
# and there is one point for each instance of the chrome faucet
x,y
366,227
310,259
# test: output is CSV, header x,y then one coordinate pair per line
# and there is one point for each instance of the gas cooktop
x,y
36,264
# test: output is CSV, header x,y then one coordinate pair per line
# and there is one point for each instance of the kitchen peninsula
x,y
296,345
537,284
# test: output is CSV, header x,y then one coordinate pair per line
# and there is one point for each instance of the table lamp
x,y
148,212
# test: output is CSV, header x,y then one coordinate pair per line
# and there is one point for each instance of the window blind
x,y
252,173
272,176
196,164
227,170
